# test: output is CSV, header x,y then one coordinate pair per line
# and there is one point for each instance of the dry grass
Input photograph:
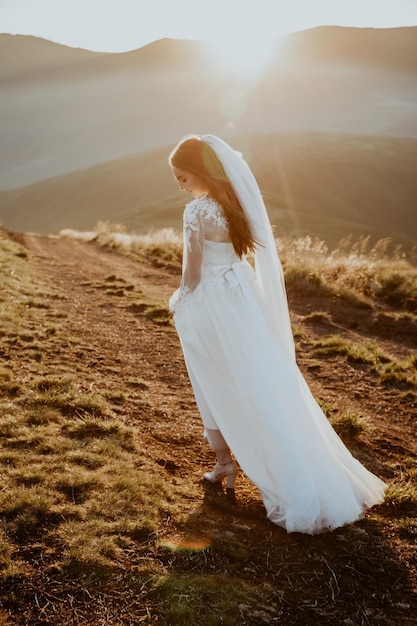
x,y
360,272
401,501
390,370
349,424
163,247
355,271
222,599
72,471
76,476
360,352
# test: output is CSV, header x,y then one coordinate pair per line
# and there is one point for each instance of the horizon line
x,y
202,40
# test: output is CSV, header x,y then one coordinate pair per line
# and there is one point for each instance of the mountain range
x,y
329,127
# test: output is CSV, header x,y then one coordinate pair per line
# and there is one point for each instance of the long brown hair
x,y
198,158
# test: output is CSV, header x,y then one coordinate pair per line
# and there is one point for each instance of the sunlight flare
x,y
241,55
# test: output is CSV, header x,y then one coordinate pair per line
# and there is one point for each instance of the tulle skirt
x,y
249,386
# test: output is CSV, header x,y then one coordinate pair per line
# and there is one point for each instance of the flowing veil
x,y
267,264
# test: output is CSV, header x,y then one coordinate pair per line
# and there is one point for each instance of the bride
x,y
234,327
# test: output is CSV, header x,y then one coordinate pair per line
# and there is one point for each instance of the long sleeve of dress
x,y
193,233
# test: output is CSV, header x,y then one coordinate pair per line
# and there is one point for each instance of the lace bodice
x,y
204,215
204,221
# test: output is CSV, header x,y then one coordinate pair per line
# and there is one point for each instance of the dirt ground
x,y
124,343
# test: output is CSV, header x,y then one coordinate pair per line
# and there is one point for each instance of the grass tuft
x,y
137,383
63,393
76,484
408,528
356,352
26,510
350,425
403,495
91,427
157,312
400,375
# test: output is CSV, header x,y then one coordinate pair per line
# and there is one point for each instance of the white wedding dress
x,y
247,384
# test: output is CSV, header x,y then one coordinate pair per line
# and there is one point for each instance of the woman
x,y
234,327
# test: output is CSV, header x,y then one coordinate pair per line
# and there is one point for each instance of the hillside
x,y
66,109
103,517
394,48
326,185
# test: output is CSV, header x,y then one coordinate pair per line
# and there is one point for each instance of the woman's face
x,y
188,182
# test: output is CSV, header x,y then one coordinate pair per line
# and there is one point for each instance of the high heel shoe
x,y
223,470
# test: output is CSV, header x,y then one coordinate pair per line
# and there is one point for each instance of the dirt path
x,y
97,287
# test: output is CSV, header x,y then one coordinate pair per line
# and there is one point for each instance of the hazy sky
x,y
118,25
